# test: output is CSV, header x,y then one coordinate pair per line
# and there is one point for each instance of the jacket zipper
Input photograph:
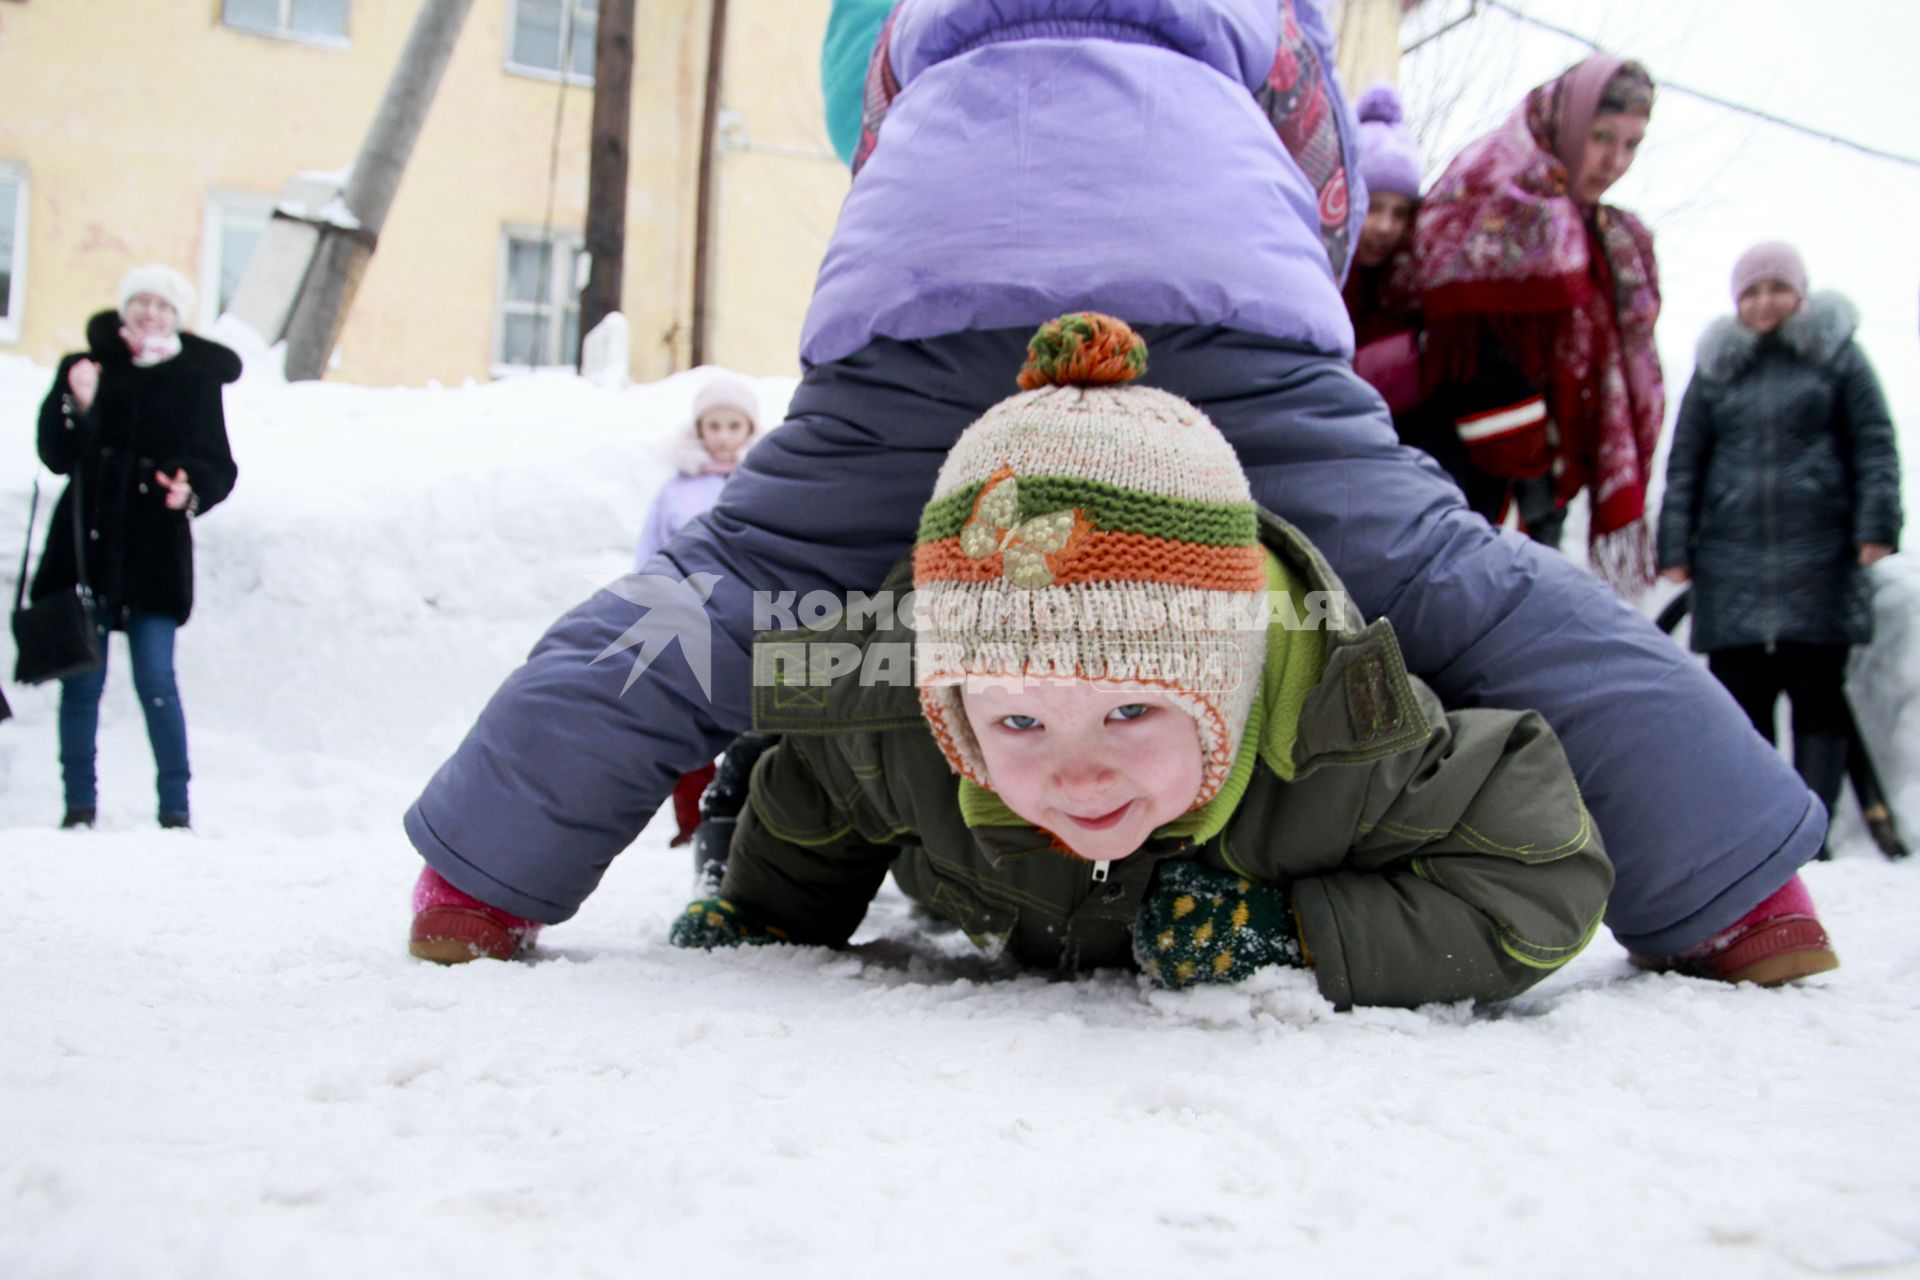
x,y
1100,871
1767,483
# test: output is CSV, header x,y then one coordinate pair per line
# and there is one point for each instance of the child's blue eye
x,y
1132,711
1020,722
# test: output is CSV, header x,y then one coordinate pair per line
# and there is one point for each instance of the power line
x,y
1473,11
1669,86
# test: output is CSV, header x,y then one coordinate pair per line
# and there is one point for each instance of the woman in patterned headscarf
x,y
1540,303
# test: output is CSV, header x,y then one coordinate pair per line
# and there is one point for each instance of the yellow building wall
x,y
778,184
482,164
1367,42
126,114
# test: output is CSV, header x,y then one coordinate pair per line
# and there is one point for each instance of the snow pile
x,y
1883,686
221,1063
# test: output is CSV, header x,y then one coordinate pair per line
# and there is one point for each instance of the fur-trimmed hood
x,y
690,457
1816,333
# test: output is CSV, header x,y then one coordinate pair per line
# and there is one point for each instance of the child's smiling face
x,y
1100,768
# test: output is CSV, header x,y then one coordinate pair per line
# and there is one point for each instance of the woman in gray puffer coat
x,y
1782,487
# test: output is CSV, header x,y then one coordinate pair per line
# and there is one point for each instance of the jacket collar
x,y
197,355
1824,323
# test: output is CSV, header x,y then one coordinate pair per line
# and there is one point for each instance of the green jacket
x,y
1429,855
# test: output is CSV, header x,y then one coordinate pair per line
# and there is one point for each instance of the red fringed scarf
x,y
1500,243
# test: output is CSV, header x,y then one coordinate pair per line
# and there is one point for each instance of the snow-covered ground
x,y
220,1062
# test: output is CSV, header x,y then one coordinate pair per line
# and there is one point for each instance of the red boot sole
x,y
1766,954
456,935
1775,951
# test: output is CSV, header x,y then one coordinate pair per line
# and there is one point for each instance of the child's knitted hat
x,y
1089,529
1389,156
726,390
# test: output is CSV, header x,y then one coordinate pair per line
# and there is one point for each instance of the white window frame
x,y
563,295
221,206
16,299
565,71
284,31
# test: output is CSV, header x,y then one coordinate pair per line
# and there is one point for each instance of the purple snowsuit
x,y
1052,155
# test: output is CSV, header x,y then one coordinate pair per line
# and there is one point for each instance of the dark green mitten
x,y
715,922
1199,925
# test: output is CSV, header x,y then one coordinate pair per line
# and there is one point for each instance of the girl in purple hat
x,y
1382,294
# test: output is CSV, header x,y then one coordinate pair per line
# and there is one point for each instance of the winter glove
x,y
715,922
721,803
1199,925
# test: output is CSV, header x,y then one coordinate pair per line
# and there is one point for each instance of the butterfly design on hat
x,y
1033,551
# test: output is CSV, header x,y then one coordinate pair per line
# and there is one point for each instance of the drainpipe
x,y
703,210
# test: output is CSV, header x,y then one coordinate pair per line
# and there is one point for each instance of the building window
x,y
234,224
539,312
323,21
13,250
534,33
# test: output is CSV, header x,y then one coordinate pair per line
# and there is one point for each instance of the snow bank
x,y
221,1063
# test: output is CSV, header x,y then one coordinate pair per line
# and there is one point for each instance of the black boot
x,y
77,818
1821,759
720,806
1871,793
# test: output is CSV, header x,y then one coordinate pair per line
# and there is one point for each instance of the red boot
x,y
451,927
686,803
1776,942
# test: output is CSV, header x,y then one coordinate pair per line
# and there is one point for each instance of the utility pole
x,y
347,242
703,212
607,163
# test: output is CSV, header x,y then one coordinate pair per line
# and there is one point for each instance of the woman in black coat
x,y
1782,487
137,421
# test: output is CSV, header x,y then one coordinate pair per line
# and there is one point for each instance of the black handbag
x,y
54,636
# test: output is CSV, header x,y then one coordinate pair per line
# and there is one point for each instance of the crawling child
x,y
1176,744
1184,163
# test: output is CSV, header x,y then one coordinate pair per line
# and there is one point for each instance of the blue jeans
x,y
150,638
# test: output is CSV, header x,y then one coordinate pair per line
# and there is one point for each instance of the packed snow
x,y
220,1061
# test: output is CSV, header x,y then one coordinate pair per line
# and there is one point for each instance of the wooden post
x,y
607,164
703,212
342,256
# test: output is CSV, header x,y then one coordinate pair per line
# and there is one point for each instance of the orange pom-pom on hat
x,y
1083,349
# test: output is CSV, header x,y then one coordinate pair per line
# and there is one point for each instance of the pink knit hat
x,y
726,390
1769,260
